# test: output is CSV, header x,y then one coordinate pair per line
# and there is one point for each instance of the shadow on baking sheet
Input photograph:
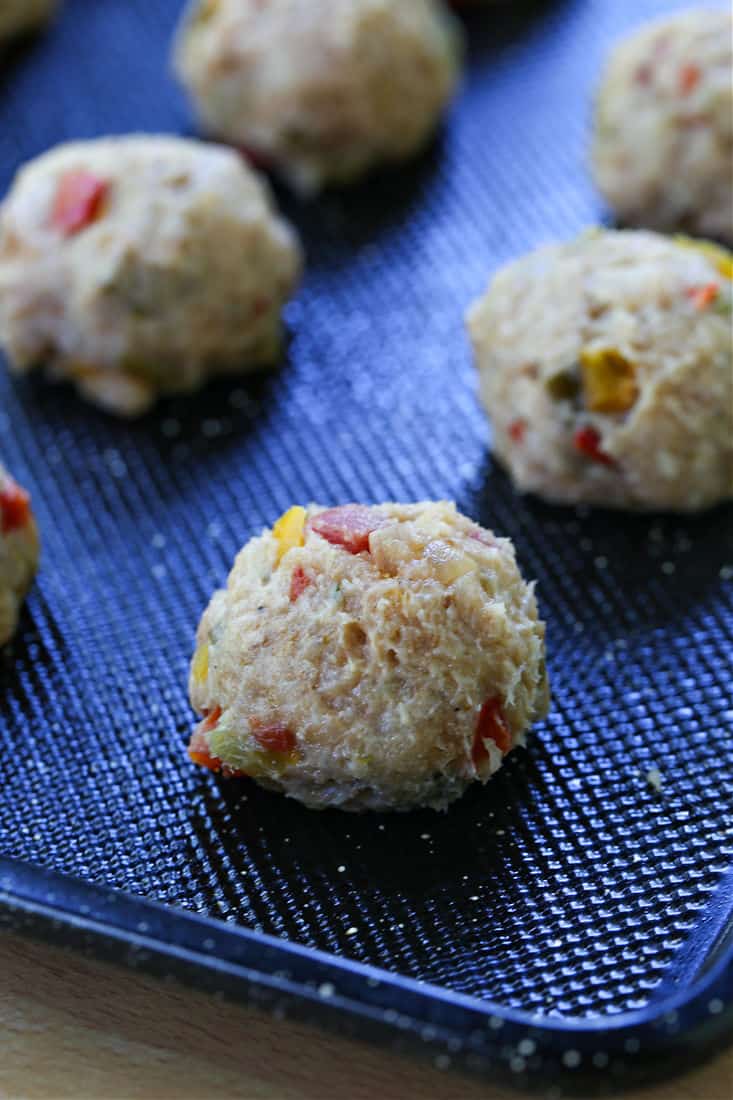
x,y
345,220
490,32
638,570
222,413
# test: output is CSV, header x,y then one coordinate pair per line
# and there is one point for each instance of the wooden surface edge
x,y
74,1027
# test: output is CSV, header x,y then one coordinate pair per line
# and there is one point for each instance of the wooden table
x,y
72,1027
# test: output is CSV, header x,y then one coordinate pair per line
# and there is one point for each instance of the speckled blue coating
x,y
564,896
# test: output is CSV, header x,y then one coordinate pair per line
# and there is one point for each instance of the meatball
x,y
320,89
22,16
141,265
18,551
664,126
606,369
369,658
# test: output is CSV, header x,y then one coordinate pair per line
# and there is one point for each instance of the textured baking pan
x,y
568,925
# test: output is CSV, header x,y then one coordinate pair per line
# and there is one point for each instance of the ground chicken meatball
x,y
606,368
18,551
369,658
663,148
141,265
321,89
21,16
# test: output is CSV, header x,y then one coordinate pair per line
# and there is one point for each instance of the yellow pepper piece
x,y
206,11
200,667
237,754
720,258
289,530
81,370
609,383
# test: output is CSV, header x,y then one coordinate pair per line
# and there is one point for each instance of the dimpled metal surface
x,y
569,885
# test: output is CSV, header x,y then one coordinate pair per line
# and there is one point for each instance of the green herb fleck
x,y
563,386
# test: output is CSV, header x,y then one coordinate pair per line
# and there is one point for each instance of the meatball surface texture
x,y
369,657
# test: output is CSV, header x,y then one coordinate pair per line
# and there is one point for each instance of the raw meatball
x,y
322,89
21,16
663,148
18,551
376,658
141,265
606,368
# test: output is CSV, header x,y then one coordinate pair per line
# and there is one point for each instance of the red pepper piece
x,y
15,507
198,752
689,78
260,160
78,201
588,442
518,430
198,749
299,582
348,526
643,75
491,726
273,738
703,296
211,718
